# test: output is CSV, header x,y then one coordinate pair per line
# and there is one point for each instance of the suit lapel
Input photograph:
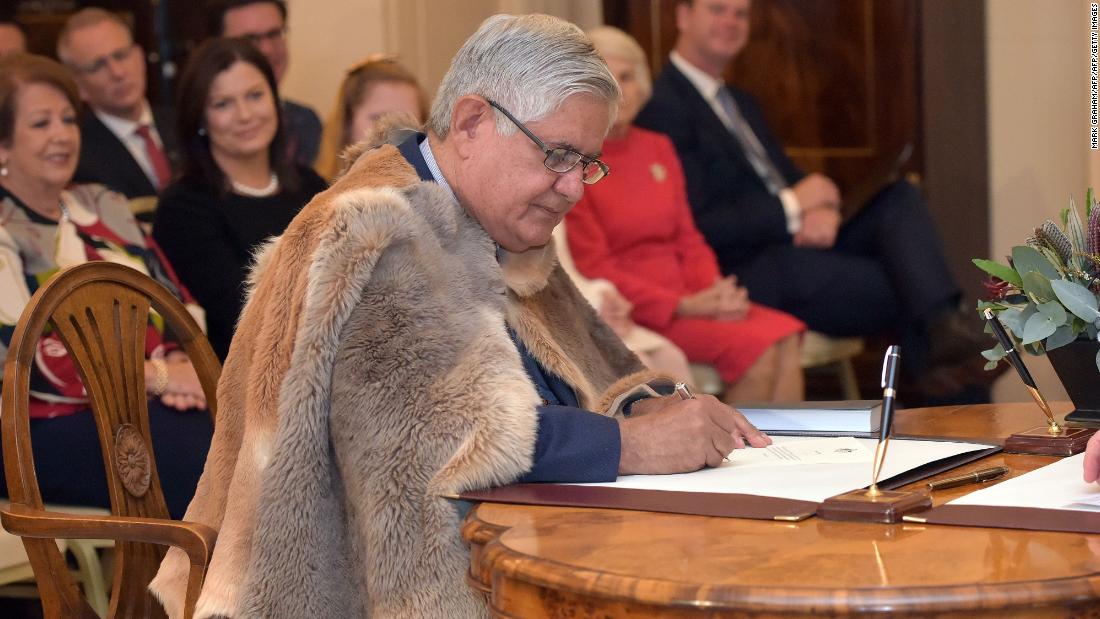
x,y
166,127
117,165
410,150
711,126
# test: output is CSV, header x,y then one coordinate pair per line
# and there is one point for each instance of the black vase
x,y
1075,364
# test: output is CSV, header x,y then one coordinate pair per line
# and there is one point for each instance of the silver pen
x,y
684,391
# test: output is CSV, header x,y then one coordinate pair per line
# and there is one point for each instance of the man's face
x,y
109,68
714,29
504,184
262,25
11,40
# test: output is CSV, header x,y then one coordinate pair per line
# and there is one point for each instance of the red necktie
x,y
161,167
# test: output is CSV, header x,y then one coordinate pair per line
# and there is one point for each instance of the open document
x,y
803,468
815,451
784,481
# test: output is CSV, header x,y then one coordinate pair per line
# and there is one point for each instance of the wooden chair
x,y
15,565
99,311
818,350
836,354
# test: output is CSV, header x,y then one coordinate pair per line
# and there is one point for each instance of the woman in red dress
x,y
635,229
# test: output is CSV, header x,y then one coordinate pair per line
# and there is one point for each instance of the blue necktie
x,y
754,150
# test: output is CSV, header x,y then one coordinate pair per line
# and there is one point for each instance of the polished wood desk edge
x,y
495,561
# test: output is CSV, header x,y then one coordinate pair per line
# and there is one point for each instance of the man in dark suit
x,y
125,144
779,229
263,24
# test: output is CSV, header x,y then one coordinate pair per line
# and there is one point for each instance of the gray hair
x,y
84,18
529,64
610,42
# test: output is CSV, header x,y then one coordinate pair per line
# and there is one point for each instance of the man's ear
x,y
83,92
471,121
682,10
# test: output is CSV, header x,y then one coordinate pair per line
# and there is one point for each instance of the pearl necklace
x,y
251,192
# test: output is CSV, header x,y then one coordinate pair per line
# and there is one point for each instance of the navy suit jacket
x,y
573,444
105,159
303,132
732,206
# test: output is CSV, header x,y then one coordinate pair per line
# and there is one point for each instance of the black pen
x,y
976,477
1014,359
889,394
889,389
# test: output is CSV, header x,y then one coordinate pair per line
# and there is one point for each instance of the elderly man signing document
x,y
411,336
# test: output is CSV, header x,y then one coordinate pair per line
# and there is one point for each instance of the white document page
x,y
815,451
1057,485
806,482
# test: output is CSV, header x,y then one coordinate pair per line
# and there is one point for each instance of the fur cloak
x,y
372,373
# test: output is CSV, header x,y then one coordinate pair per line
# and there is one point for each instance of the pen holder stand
x,y
1039,440
886,506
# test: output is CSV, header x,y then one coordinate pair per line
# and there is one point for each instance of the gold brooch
x,y
658,171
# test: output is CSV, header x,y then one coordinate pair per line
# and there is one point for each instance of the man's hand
x,y
1092,458
816,191
669,435
819,227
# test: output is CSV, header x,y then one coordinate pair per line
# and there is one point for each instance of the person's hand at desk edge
x,y
671,435
1092,458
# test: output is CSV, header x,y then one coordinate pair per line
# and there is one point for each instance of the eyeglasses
x,y
562,159
256,38
119,56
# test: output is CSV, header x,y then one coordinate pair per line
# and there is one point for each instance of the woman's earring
x,y
3,169
202,131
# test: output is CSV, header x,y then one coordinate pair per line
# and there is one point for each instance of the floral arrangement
x,y
1046,296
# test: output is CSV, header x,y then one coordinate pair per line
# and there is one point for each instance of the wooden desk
x,y
567,562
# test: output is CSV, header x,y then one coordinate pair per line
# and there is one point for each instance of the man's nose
x,y
269,49
116,68
570,184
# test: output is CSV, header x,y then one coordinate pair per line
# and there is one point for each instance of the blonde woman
x,y
377,86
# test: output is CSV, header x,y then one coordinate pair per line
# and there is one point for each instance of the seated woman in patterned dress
x,y
47,224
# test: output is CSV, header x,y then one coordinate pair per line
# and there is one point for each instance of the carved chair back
x,y
100,310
